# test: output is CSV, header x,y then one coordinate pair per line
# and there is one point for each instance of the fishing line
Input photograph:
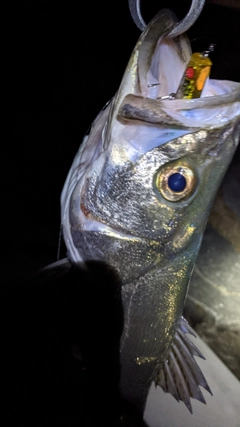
x,y
59,242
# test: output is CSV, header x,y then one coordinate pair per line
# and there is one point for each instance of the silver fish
x,y
121,205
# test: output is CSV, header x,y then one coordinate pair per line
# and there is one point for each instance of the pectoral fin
x,y
180,374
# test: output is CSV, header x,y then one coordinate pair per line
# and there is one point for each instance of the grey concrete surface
x,y
221,410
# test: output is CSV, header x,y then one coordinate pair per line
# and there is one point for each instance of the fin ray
x,y
180,374
181,384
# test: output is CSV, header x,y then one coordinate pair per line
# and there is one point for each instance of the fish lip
x,y
136,107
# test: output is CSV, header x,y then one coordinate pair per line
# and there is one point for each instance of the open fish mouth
x,y
158,66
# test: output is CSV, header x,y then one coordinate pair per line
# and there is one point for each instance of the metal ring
x,y
181,27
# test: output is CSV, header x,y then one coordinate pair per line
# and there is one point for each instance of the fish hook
x,y
180,27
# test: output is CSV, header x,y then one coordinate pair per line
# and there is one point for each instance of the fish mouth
x,y
153,77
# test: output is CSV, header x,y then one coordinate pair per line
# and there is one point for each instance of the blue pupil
x,y
177,182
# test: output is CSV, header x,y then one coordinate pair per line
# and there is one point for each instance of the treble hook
x,y
180,27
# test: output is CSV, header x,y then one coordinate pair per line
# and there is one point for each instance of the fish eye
x,y
176,183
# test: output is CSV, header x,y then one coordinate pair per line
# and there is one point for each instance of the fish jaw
x,y
143,70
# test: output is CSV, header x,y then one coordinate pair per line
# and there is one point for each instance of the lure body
x,y
119,205
195,76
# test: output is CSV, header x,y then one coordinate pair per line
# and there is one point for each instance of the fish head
x,y
120,196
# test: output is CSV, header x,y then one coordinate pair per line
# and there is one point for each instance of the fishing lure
x,y
195,76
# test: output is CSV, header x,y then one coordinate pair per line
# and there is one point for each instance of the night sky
x,y
62,62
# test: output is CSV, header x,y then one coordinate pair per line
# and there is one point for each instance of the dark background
x,y
62,61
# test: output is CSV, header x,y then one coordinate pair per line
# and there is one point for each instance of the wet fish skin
x,y
114,211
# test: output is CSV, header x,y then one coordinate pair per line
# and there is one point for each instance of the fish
x,y
137,198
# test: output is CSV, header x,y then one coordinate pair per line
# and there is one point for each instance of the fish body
x,y
138,196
